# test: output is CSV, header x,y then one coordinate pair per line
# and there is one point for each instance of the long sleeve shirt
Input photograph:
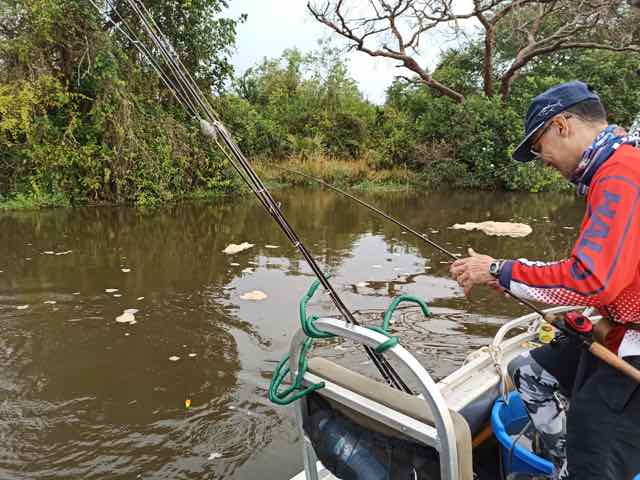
x,y
603,270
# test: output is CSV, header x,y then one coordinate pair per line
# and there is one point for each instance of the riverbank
x,y
41,201
360,174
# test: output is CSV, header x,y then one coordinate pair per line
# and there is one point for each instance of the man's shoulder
x,y
626,153
625,162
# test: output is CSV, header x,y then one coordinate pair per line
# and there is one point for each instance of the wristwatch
x,y
495,268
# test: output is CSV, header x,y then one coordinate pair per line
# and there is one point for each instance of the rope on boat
x,y
495,352
297,390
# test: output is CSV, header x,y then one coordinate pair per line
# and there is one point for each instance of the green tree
x,y
468,145
302,104
84,118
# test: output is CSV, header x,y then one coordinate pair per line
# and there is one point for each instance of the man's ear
x,y
563,125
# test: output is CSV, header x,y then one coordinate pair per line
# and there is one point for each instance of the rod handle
x,y
615,361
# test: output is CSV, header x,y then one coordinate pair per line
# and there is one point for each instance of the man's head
x,y
561,123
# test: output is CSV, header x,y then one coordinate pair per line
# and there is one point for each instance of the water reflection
x,y
86,397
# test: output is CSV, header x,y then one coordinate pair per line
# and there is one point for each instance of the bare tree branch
x,y
395,29
335,19
559,25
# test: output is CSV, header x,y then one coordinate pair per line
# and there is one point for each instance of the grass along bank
x,y
361,173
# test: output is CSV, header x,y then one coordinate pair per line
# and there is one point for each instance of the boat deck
x,y
478,378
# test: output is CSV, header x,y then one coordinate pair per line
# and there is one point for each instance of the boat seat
x,y
402,402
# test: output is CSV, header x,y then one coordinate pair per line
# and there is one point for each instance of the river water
x,y
83,396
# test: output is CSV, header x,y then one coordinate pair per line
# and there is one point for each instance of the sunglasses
x,y
534,144
534,149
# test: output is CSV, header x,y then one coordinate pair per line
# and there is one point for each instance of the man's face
x,y
554,144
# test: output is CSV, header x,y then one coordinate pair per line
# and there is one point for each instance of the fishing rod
x,y
372,208
594,347
166,62
419,235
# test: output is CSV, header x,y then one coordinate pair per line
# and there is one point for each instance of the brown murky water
x,y
83,396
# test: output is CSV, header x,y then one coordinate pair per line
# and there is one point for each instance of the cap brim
x,y
522,153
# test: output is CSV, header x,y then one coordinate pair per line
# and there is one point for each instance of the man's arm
x,y
604,260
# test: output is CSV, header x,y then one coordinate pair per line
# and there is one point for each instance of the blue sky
x,y
275,25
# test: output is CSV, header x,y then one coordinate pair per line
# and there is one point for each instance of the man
x,y
599,437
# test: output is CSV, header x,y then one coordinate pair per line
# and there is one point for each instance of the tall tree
x,y
62,37
396,29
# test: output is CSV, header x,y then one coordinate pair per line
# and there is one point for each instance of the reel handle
x,y
597,349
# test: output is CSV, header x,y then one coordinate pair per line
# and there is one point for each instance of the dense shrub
x,y
469,144
301,105
82,119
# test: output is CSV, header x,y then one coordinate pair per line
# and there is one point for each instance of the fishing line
x,y
163,48
131,36
410,230
372,208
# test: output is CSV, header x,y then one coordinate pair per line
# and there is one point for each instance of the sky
x,y
275,25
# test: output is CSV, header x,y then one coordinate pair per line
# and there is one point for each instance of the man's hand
x,y
472,270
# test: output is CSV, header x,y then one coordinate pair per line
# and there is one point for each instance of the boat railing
x,y
532,322
441,435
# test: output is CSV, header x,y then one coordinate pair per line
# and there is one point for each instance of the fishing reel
x,y
571,326
576,324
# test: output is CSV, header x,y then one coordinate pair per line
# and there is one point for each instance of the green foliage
x,y
461,69
300,105
466,145
469,144
82,119
33,201
612,74
394,137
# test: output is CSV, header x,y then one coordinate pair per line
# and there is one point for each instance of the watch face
x,y
494,268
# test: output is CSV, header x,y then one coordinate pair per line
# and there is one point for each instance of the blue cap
x,y
547,105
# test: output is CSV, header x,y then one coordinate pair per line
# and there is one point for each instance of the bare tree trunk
x,y
513,72
487,68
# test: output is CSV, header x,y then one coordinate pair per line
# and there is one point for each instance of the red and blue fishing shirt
x,y
603,270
